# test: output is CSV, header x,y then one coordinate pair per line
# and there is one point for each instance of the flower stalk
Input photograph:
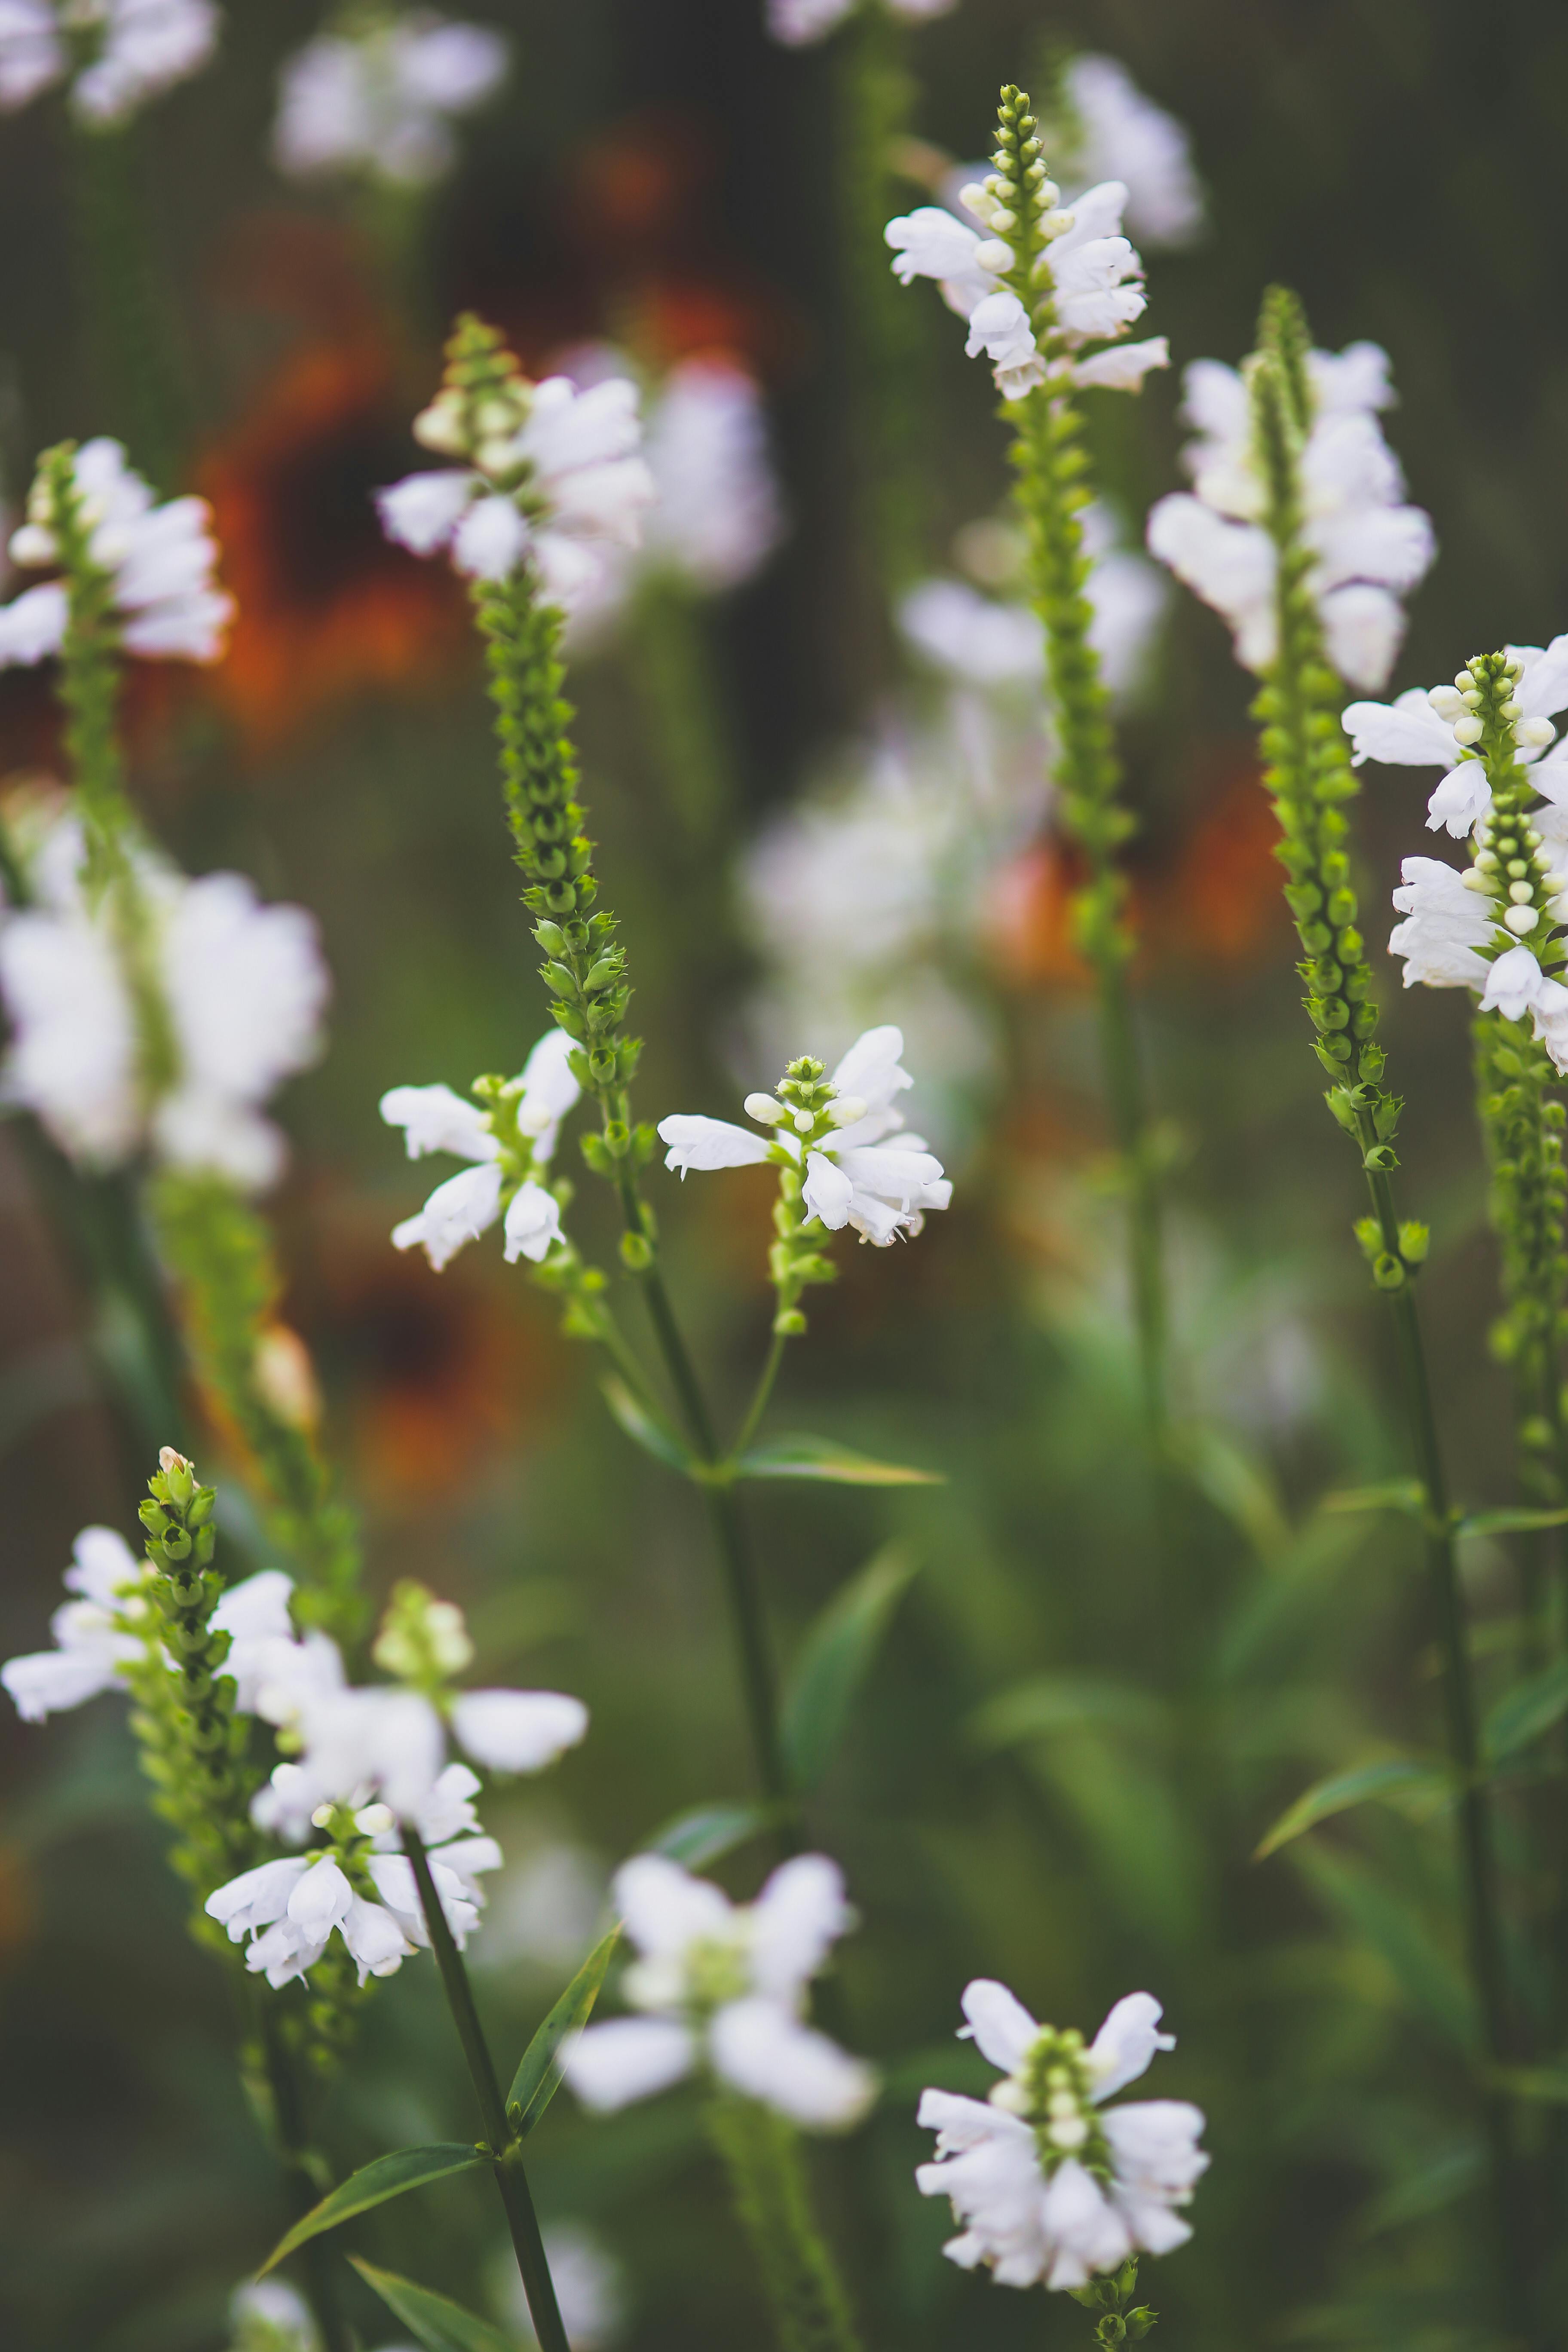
x,y
762,2158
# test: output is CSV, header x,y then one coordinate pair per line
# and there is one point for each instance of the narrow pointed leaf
x,y
1389,1779
539,2076
707,1832
801,1455
836,1658
372,2184
1406,1495
1428,1978
440,2326
1049,1706
1523,1713
646,1429
1509,1521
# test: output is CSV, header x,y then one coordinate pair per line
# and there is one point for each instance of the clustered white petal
x,y
243,987
1123,135
1048,2189
865,1173
1369,547
797,22
723,1987
580,490
1433,728
436,1119
117,53
160,559
381,99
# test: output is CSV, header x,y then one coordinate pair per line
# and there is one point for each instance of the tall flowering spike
x,y
510,1135
1364,548
376,94
1051,2186
115,54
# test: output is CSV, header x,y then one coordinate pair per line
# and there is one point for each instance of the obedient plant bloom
x,y
108,1627
1371,548
510,1133
167,1039
1113,130
157,562
116,54
723,1992
1050,2184
377,96
389,1741
836,1139
1492,929
797,22
1039,285
549,475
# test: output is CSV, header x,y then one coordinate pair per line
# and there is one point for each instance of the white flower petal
x,y
799,1914
629,2058
1126,2043
434,1119
767,2052
517,1731
709,1143
1001,2027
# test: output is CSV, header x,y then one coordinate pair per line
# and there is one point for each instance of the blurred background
x,y
1067,1754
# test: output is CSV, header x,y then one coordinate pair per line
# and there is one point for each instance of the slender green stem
x,y
673,670
758,1405
762,2154
505,2148
301,2186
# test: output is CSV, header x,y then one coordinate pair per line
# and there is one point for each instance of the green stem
x,y
673,668
125,302
762,2154
302,2189
505,2148
758,1405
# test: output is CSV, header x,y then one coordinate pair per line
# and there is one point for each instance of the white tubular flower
x,y
1370,549
554,480
159,562
1436,729
242,988
1050,2189
379,101
511,1135
798,23
856,1170
722,1987
118,53
1124,136
716,517
97,1634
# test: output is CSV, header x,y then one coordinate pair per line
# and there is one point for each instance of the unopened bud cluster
x,y
808,1105
1019,204
482,407
1052,2091
423,1642
1513,866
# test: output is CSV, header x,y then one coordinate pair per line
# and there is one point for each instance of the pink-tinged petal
x,y
1000,2026
517,1731
628,2058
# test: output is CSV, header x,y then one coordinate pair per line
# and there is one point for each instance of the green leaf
x,y
835,1657
707,1832
1435,2185
1523,1713
1508,1521
440,2326
1391,1777
647,1430
372,2184
801,1455
1406,1944
1548,2084
1049,1705
1238,1486
1406,1495
538,2076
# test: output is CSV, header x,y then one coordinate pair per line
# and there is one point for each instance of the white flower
x,y
715,516
1125,136
797,22
92,1648
973,636
243,988
859,1173
1048,2189
724,1987
531,1111
159,559
380,101
1368,547
1434,730
393,1742
268,2316
574,465
137,48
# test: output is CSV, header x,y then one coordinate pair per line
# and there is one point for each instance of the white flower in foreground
x,y
93,1646
797,22
1051,2186
1436,729
159,561
118,52
242,985
858,1170
511,1143
380,100
266,2316
1124,136
1369,549
555,480
723,1987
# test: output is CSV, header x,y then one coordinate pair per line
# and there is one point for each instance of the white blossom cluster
x,y
558,482
1050,2185
240,989
378,97
1485,929
115,54
1121,134
864,1171
723,1990
510,1145
798,23
1370,547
